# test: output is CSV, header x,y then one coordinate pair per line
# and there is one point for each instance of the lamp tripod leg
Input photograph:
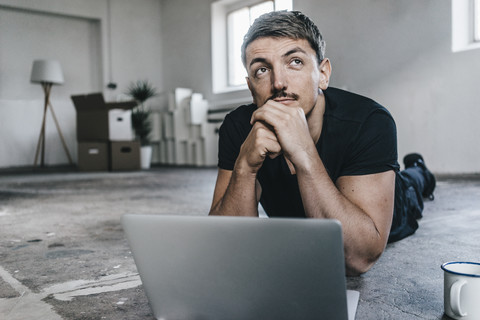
x,y
60,133
41,139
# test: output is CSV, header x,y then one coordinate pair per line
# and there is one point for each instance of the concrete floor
x,y
63,254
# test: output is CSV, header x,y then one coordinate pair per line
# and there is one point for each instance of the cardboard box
x,y
157,129
124,155
93,116
120,125
93,156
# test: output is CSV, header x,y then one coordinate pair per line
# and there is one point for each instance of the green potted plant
x,y
141,91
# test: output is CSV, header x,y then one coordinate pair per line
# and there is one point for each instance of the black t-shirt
x,y
358,137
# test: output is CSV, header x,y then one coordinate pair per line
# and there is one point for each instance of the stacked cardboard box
x,y
184,134
104,134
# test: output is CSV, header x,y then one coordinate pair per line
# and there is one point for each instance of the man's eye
x,y
296,62
261,71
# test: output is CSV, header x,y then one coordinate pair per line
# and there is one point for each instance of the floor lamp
x,y
47,73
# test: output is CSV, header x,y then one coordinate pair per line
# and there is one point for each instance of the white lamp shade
x,y
48,71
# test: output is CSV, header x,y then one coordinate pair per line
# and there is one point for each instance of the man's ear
x,y
249,84
325,69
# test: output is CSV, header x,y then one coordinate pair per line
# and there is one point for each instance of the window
x,y
230,21
465,25
238,22
476,20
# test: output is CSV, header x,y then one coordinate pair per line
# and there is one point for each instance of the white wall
x,y
187,48
399,53
396,51
76,34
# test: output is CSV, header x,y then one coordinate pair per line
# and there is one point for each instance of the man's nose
x,y
279,80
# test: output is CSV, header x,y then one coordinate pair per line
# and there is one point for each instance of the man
x,y
303,149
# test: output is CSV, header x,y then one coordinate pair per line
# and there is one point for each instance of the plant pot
x,y
145,157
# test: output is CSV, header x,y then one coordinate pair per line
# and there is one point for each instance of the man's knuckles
x,y
261,131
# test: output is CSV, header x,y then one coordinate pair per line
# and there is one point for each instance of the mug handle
x,y
455,298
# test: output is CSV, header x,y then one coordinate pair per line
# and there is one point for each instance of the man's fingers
x,y
274,155
276,115
270,107
268,110
273,149
267,140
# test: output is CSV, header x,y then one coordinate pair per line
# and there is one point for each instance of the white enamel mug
x,y
462,290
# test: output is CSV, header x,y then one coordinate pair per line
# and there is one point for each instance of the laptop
x,y
197,267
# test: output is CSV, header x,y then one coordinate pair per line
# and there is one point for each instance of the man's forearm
x,y
238,192
240,198
322,199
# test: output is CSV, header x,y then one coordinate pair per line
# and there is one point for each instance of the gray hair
x,y
285,24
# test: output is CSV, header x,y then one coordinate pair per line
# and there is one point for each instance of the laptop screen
x,y
238,267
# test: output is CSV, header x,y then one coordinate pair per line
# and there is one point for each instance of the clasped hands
x,y
277,129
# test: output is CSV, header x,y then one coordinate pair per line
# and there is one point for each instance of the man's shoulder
x,y
349,105
240,116
343,96
238,120
243,111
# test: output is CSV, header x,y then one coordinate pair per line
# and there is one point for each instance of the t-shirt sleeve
x,y
229,143
374,149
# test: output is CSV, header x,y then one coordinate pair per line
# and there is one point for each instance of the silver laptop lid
x,y
239,268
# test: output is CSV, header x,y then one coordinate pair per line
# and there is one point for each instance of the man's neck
x,y
315,117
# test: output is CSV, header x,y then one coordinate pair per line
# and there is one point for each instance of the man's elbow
x,y
356,266
357,269
215,208
214,211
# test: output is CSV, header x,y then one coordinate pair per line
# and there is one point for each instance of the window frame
x,y
239,6
465,25
476,21
219,42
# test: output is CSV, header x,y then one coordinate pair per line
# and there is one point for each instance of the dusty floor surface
x,y
63,254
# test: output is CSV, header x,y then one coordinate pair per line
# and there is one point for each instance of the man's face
x,y
285,70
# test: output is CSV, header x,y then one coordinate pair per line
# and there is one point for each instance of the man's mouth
x,y
283,100
283,97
